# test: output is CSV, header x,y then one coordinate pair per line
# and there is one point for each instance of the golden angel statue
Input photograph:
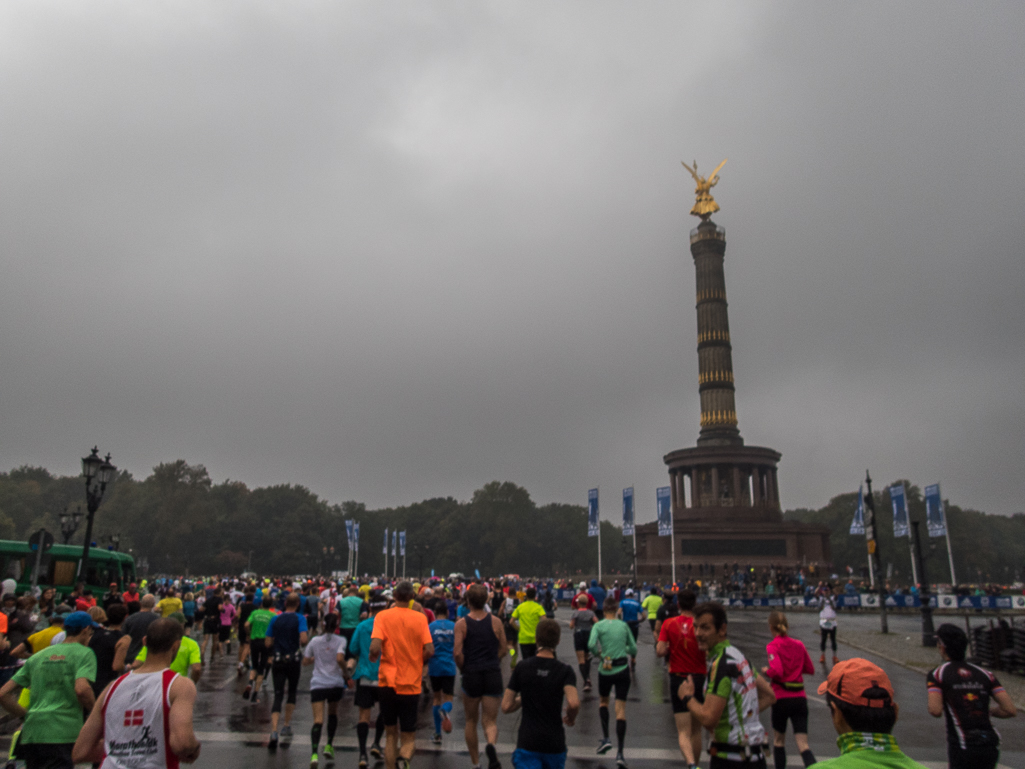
x,y
705,204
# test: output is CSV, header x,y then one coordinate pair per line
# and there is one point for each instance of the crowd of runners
x,y
111,681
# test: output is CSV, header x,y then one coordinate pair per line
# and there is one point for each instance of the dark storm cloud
x,y
393,251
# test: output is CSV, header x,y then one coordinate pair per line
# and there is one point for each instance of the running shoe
x,y
272,743
604,747
329,752
436,739
375,751
286,731
401,763
364,762
822,659
314,761
493,762
836,660
247,692
620,761
587,685
446,722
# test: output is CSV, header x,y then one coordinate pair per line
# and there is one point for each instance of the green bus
x,y
60,565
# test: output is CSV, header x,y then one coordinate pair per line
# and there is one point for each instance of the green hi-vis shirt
x,y
864,750
258,621
612,638
187,656
528,614
652,604
54,713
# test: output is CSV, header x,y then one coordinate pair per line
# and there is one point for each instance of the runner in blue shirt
x,y
442,669
630,611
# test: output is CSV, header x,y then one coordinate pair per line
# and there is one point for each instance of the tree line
x,y
986,548
181,522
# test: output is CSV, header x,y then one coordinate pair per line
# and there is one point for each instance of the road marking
x,y
255,739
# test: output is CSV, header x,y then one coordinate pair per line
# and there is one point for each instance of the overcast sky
x,y
393,251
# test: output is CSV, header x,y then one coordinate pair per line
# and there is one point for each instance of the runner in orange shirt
x,y
402,642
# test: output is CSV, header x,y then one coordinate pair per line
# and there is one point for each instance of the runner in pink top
x,y
789,663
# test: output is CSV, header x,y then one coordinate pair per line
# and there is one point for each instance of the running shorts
x,y
674,687
443,684
333,694
212,625
347,633
259,656
635,628
243,635
398,708
793,709
483,683
224,633
621,681
366,695
528,650
580,639
651,624
530,759
511,634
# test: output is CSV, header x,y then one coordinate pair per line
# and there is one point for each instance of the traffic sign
x,y
41,536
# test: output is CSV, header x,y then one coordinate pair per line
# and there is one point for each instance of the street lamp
x,y
115,542
69,523
98,473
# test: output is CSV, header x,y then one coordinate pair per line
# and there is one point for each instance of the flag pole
x,y
946,531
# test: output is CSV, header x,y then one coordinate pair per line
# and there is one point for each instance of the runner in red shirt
x,y
582,591
676,640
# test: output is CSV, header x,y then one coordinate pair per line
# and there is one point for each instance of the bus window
x,y
15,567
63,574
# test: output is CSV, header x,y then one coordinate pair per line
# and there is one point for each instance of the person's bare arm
x,y
511,701
1005,706
662,648
307,661
268,641
766,697
182,739
303,637
428,651
89,745
572,705
459,635
121,654
22,651
375,649
195,672
84,692
499,631
707,713
935,704
9,701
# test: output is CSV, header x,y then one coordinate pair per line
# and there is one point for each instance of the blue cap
x,y
78,621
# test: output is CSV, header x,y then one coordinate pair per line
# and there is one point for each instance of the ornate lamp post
x,y
98,473
69,523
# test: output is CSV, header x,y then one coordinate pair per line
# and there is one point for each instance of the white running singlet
x,y
136,722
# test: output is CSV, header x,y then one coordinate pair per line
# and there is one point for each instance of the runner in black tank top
x,y
479,650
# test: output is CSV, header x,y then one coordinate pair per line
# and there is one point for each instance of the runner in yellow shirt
x,y
525,618
169,605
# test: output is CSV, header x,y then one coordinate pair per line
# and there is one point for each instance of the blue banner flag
x,y
348,533
628,512
477,572
592,513
402,544
355,536
934,516
900,511
858,524
385,551
432,572
664,503
394,542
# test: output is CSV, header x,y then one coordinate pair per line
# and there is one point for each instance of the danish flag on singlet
x,y
133,717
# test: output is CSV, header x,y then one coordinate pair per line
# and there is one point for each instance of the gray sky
x,y
397,250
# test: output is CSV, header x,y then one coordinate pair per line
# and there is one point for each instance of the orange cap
x,y
859,682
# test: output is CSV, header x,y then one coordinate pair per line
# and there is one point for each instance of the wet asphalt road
x,y
234,732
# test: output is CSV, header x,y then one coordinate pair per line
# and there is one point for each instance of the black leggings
x,y
282,672
831,635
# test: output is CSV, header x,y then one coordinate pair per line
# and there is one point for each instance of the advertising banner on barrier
x,y
628,512
900,511
593,526
665,511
